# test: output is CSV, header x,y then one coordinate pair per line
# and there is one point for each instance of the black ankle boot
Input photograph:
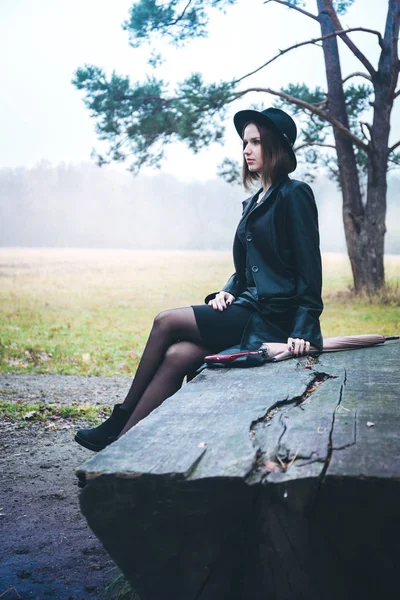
x,y
98,438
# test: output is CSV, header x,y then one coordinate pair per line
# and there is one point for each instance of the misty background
x,y
86,206
50,195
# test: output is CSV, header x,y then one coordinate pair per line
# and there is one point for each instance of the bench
x,y
277,482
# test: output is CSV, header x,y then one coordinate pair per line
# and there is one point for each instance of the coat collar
x,y
249,203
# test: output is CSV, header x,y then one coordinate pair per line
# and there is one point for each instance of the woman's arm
x,y
304,237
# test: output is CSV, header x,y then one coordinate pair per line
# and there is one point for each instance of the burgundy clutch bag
x,y
227,358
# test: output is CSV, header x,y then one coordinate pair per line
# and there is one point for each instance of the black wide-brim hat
x,y
272,118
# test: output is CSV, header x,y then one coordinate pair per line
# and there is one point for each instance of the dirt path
x,y
47,550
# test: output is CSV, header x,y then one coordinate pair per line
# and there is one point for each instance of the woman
x,y
274,294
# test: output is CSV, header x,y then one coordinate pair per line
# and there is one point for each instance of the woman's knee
x,y
177,352
184,355
173,320
163,319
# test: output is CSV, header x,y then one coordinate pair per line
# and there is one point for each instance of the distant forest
x,y
88,207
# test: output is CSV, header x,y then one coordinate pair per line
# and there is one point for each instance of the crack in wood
x,y
285,459
322,476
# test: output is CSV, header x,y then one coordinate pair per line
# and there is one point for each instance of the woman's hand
x,y
297,346
221,301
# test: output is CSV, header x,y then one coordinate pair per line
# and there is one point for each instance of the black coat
x,y
282,251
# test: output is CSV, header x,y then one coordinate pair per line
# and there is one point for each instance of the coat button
x,y
254,269
248,238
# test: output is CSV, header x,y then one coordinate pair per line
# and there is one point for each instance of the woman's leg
x,y
180,358
170,326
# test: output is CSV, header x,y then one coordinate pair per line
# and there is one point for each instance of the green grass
x,y
17,411
89,312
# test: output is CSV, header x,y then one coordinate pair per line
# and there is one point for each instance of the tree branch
x,y
394,162
313,109
373,31
181,15
357,74
351,45
396,94
305,145
300,10
312,41
368,126
393,148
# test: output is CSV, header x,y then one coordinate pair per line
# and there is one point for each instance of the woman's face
x,y
252,149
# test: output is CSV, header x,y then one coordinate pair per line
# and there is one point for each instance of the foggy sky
x,y
42,43
43,118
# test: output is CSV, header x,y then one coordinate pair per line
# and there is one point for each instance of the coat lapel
x,y
269,193
247,205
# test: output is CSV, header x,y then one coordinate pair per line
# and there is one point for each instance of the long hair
x,y
276,159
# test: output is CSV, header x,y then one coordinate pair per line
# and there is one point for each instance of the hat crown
x,y
283,121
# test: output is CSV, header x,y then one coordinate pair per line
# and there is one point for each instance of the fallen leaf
x,y
43,356
30,414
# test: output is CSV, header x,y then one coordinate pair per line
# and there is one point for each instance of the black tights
x,y
174,348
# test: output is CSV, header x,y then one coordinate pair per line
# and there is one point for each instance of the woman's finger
x,y
221,301
230,299
297,346
215,301
218,304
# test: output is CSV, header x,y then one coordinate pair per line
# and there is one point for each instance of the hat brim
x,y
253,116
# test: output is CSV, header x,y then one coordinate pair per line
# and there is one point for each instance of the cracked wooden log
x,y
278,482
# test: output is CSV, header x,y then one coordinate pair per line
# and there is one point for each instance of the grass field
x,y
90,311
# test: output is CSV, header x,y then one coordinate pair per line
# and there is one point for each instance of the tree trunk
x,y
364,225
353,210
385,81
370,242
